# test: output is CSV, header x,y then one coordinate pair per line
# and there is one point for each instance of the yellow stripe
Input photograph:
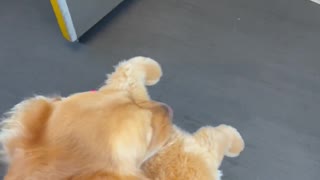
x,y
61,22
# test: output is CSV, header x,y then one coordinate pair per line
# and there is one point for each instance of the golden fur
x,y
105,134
194,156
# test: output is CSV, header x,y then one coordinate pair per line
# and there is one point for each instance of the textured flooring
x,y
253,64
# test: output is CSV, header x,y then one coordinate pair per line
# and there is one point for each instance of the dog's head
x,y
114,129
110,127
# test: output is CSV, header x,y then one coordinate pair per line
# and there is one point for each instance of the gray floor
x,y
254,64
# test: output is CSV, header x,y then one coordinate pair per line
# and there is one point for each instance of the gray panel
x,y
86,13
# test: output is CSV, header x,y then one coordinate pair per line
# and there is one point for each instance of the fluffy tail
x,y
221,141
236,145
133,76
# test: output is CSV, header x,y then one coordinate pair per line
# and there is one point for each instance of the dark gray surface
x,y
86,13
254,64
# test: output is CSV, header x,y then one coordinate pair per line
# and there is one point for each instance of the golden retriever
x,y
106,134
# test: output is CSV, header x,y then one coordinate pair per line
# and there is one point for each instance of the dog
x,y
104,134
198,155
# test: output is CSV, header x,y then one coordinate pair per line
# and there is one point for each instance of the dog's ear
x,y
133,76
25,123
22,132
22,167
161,124
16,165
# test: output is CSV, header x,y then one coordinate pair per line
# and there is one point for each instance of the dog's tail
x,y
220,141
133,76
